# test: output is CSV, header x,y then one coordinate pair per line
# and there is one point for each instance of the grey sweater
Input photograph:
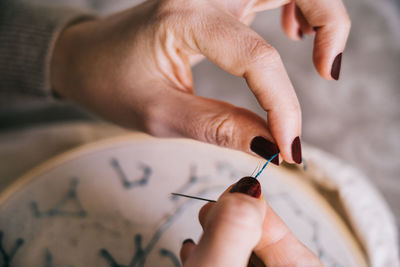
x,y
28,33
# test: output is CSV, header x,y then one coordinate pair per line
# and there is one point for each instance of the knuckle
x,y
261,51
221,129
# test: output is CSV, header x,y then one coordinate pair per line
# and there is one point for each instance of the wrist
x,y
64,60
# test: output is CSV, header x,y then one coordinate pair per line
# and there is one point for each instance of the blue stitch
x,y
125,181
57,209
7,257
49,260
169,254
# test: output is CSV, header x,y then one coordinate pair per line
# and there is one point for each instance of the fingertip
x,y
300,34
337,62
329,69
188,246
286,132
289,23
204,212
329,44
247,185
265,148
296,150
187,240
286,153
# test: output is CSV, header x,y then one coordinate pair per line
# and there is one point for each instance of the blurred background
x,y
356,118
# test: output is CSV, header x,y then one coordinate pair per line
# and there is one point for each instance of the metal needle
x,y
199,198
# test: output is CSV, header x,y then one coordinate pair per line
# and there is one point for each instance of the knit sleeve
x,y
28,33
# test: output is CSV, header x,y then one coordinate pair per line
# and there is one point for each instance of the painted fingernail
x,y
296,150
336,67
189,240
247,185
265,148
300,34
255,261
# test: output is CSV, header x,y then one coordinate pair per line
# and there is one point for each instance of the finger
x,y
254,261
212,121
305,27
186,250
231,230
289,22
279,247
333,27
242,52
204,212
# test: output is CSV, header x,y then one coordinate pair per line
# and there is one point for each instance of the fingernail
x,y
265,149
300,34
315,28
247,185
336,67
296,150
189,240
255,261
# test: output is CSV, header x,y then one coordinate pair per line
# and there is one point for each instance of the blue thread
x,y
265,165
304,164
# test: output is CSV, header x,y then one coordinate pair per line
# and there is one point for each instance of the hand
x,y
239,224
134,68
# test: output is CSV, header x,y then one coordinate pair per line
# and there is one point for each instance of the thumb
x,y
212,121
232,228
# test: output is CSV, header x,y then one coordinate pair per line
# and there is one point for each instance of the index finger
x,y
332,24
232,228
242,52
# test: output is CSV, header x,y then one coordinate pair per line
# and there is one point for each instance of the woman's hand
x,y
134,68
239,224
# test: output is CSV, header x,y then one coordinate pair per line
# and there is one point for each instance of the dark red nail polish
x,y
265,149
189,240
300,33
247,185
296,150
336,67
255,261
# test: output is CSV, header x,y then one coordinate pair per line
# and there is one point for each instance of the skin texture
x,y
238,224
134,67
